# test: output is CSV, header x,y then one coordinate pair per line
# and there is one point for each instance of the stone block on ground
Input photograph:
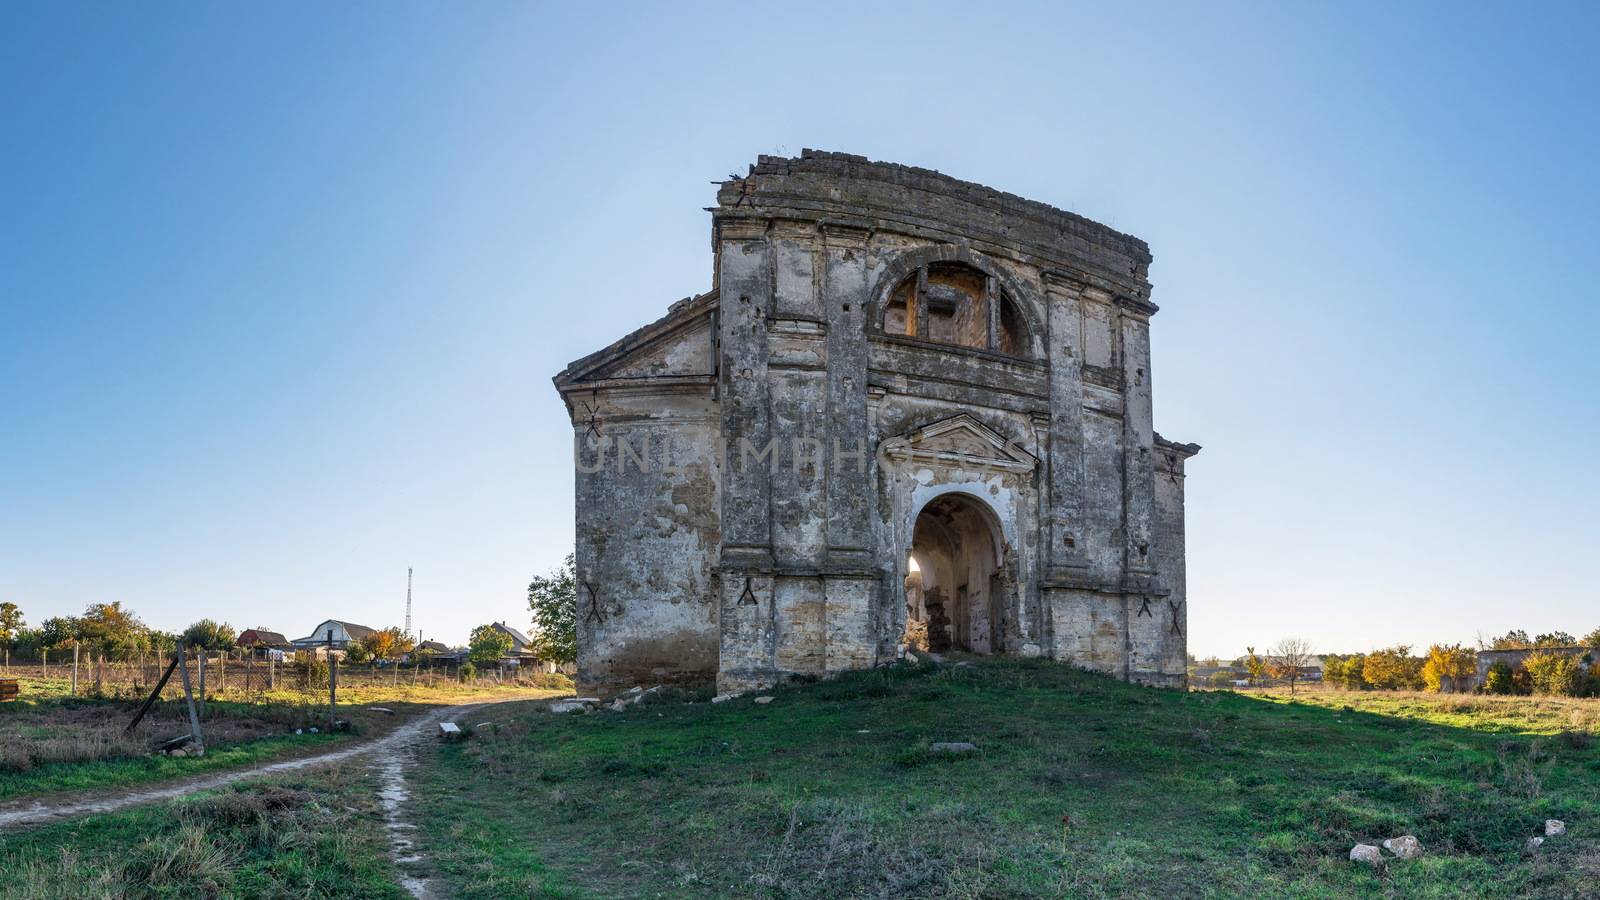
x,y
1405,846
1366,853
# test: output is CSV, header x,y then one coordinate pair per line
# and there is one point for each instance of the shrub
x,y
1554,673
1499,680
469,672
1221,679
311,674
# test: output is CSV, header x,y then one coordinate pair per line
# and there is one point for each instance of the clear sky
x,y
282,286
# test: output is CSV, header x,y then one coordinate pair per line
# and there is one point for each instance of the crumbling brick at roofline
x,y
851,165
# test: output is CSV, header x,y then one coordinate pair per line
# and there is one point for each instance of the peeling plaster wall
x,y
787,556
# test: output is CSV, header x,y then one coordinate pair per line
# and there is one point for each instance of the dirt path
x,y
390,750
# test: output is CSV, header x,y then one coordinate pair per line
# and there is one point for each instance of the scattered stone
x,y
449,729
911,657
1532,846
952,747
312,731
299,731
763,700
721,697
567,706
1405,846
1553,827
636,690
180,752
1366,853
619,705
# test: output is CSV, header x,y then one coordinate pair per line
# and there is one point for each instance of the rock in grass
x,y
1405,846
1532,846
1366,853
566,706
763,700
449,729
179,753
952,747
1553,827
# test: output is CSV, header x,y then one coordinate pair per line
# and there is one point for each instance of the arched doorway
x,y
954,588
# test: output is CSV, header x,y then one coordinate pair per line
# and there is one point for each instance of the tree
x,y
1293,654
1555,639
58,632
209,635
357,653
11,624
1554,673
111,628
387,644
1449,667
553,600
1592,639
1255,665
1393,669
1515,639
488,645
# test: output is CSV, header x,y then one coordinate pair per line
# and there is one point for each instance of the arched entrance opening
x,y
953,583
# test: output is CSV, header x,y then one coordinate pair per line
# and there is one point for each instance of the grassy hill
x,y
1081,786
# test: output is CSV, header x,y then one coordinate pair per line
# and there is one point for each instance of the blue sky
x,y
282,289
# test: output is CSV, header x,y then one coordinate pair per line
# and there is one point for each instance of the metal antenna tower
x,y
408,601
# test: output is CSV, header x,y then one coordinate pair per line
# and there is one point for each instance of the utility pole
x,y
408,601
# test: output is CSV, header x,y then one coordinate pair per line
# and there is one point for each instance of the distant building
x,y
261,639
343,634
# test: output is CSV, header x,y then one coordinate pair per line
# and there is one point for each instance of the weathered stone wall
x,y
789,555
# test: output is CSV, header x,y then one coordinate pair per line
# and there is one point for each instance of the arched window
x,y
954,303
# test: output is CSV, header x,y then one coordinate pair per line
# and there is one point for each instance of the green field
x,y
1081,786
51,742
317,834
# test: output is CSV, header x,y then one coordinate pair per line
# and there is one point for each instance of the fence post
x,y
201,656
272,672
74,670
333,684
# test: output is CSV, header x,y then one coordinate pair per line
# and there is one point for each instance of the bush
x,y
1345,672
1499,680
1221,679
311,674
1555,673
469,672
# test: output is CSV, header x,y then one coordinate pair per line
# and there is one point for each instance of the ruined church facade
x,y
910,411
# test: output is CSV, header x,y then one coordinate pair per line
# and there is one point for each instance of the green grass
x,y
51,743
829,792
311,835
130,771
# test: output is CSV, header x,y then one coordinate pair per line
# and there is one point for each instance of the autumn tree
x,y
553,600
1591,640
1393,669
1255,665
1449,667
1554,673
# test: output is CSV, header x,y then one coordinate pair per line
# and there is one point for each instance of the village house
x,y
910,411
262,641
341,634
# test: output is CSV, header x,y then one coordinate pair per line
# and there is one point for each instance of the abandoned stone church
x,y
910,410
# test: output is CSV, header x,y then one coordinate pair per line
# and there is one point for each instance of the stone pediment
x,y
960,441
